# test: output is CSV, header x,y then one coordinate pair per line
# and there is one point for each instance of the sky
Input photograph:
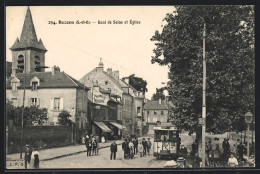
x,y
77,48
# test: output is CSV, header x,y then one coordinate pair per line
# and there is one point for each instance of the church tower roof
x,y
28,37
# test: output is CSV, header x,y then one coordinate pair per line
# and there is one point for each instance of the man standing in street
x,y
226,149
144,143
149,145
124,145
89,147
28,153
113,149
135,142
240,151
94,145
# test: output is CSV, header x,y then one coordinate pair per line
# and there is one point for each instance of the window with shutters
x,y
155,113
33,101
147,112
162,112
56,105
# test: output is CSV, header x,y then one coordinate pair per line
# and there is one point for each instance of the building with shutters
x,y
54,90
122,92
155,111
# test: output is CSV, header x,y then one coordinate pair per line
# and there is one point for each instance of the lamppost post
x,y
248,120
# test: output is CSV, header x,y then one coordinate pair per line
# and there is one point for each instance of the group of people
x,y
91,145
132,147
230,154
31,157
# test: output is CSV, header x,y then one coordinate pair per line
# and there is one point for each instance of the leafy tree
x,y
63,118
138,83
32,114
230,64
36,115
159,94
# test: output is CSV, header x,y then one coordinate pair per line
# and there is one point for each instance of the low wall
x,y
39,136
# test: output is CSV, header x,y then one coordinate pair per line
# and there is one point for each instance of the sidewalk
x,y
59,152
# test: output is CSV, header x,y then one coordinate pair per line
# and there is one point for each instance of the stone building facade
x,y
155,111
120,91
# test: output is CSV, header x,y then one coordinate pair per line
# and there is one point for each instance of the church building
x,y
29,84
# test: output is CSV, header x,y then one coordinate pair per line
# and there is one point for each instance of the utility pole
x,y
24,60
204,97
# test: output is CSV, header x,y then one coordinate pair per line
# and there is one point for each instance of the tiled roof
x,y
154,105
47,80
28,37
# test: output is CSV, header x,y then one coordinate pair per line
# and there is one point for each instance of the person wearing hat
x,y
124,147
226,148
144,143
113,149
28,153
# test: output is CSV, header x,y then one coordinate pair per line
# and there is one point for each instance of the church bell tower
x,y
28,53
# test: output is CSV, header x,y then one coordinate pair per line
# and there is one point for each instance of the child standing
x,y
140,149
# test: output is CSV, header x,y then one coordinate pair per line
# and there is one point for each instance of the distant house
x,y
155,110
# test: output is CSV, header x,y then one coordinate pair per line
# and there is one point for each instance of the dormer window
x,y
34,86
35,82
15,83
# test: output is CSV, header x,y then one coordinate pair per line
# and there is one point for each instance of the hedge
x,y
39,137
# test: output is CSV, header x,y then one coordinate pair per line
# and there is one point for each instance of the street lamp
x,y
248,120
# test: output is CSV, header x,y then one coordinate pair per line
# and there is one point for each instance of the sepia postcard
x,y
116,87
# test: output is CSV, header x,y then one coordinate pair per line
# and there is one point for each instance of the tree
x,y
32,114
138,83
63,118
159,94
230,64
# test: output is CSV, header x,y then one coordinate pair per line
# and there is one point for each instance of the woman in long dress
x,y
35,159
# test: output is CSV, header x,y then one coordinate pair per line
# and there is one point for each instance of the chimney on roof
x,y
116,75
126,79
109,71
160,101
55,69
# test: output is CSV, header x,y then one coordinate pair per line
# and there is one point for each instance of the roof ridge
x,y
117,83
70,78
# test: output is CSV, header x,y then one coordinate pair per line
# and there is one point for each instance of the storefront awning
x,y
118,125
102,126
